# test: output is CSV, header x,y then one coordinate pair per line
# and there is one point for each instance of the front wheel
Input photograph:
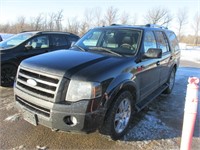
x,y
8,73
119,116
170,82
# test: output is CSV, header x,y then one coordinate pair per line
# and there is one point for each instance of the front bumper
x,y
55,116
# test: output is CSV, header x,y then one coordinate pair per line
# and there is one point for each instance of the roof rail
x,y
155,26
114,24
30,31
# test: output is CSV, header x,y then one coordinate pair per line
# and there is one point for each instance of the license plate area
x,y
30,117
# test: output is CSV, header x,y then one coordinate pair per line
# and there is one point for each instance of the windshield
x,y
121,41
15,40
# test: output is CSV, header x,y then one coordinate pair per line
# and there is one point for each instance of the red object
x,y
191,105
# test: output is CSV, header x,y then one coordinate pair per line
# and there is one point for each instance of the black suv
x,y
109,75
27,44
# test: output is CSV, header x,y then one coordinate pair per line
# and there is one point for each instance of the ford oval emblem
x,y
31,82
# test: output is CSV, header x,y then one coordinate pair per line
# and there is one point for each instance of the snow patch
x,y
150,128
41,147
191,55
19,147
13,118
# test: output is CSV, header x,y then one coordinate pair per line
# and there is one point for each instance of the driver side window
x,y
149,41
39,42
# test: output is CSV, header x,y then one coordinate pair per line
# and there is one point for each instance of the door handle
x,y
158,63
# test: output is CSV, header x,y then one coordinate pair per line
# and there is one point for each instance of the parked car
x,y
4,36
27,44
109,75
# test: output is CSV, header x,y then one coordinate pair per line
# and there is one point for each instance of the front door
x,y
34,46
149,68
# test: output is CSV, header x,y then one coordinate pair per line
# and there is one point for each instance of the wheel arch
x,y
127,85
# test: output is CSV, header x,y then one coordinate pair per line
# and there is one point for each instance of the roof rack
x,y
155,26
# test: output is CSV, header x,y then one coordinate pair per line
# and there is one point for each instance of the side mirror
x,y
28,47
153,53
73,43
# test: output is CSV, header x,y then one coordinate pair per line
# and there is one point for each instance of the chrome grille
x,y
46,85
33,107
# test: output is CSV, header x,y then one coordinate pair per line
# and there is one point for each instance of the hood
x,y
70,63
59,62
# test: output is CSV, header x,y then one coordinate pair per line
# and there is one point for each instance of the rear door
x,y
60,41
166,60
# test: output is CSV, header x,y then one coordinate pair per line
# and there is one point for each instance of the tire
x,y
8,73
119,116
170,82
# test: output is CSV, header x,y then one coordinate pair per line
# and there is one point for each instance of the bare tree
x,y
124,18
134,19
87,22
111,15
98,16
58,20
73,26
36,22
181,20
5,28
20,26
83,28
196,27
51,24
158,15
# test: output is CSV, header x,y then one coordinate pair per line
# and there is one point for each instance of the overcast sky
x,y
10,10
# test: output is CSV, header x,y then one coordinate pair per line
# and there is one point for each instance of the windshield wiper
x,y
105,49
79,47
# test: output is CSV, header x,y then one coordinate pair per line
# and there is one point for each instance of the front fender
x,y
125,80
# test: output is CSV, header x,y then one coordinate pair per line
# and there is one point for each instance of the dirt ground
x,y
157,127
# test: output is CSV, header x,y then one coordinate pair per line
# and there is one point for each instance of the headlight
x,y
79,90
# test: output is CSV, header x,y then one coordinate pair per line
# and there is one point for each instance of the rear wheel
x,y
119,116
8,73
170,82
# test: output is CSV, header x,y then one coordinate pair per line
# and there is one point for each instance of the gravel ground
x,y
157,127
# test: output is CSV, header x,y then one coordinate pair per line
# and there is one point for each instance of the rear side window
x,y
72,39
149,41
162,41
59,40
173,41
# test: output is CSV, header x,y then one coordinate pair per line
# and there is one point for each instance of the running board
x,y
151,97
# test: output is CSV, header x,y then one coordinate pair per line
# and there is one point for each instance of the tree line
x,y
96,17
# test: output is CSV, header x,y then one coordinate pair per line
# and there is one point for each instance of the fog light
x,y
70,120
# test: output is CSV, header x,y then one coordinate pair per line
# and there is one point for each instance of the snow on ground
x,y
147,127
152,125
191,54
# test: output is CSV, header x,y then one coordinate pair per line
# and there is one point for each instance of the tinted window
x,y
39,42
149,41
162,41
59,40
173,41
72,39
